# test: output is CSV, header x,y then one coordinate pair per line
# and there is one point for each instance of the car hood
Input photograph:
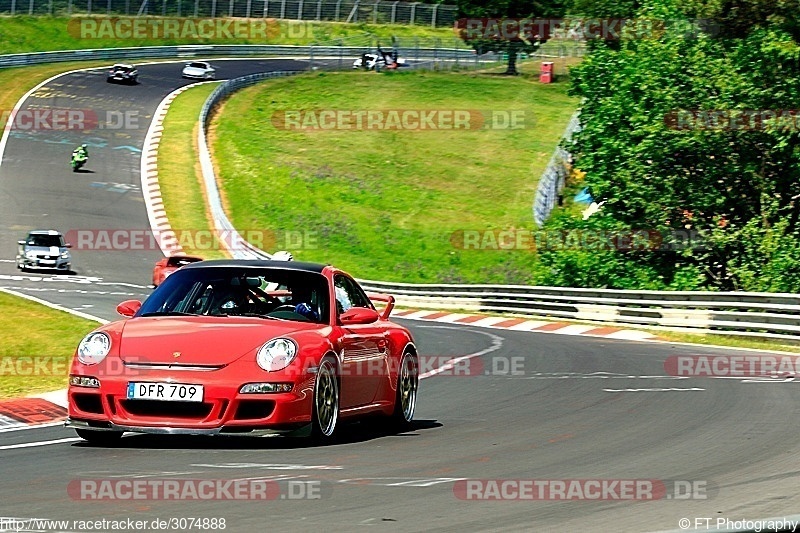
x,y
44,250
200,340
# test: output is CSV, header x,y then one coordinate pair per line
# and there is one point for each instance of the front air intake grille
x,y
88,403
156,409
254,409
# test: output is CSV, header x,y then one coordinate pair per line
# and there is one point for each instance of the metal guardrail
x,y
243,249
554,177
211,50
764,315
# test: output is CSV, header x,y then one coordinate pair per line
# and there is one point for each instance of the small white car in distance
x,y
199,70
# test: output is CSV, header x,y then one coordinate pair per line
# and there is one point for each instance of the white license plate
x,y
167,392
46,262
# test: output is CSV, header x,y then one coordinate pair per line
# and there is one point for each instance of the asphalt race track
x,y
576,408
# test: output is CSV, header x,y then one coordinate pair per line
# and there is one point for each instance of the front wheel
x,y
100,438
326,401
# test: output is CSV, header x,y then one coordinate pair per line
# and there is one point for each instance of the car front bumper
x,y
222,411
44,264
300,431
201,76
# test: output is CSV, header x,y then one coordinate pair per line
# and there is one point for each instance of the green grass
x,y
384,204
732,341
179,173
21,34
31,333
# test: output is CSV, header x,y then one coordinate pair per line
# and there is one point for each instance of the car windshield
x,y
123,69
271,293
45,240
197,65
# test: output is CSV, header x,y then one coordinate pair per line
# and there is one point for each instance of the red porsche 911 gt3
x,y
231,347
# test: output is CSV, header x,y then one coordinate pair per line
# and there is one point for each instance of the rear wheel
x,y
407,386
100,438
326,401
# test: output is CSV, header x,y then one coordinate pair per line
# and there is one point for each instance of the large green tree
x,y
481,26
688,134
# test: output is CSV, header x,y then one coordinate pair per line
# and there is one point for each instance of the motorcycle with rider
x,y
79,157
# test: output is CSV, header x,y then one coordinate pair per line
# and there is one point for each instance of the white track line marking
x,y
654,390
23,426
39,443
497,343
54,306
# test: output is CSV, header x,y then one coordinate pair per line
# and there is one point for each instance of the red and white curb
x,y
524,324
42,410
151,190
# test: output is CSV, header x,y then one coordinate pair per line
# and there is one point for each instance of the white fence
x,y
371,12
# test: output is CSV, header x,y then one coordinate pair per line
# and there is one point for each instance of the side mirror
x,y
358,315
128,308
68,245
21,242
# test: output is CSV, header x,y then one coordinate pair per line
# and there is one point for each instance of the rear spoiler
x,y
388,299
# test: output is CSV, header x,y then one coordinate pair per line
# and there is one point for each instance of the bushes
x,y
677,135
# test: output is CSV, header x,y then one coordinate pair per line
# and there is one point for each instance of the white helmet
x,y
282,255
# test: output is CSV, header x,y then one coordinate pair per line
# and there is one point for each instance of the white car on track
x,y
199,70
44,249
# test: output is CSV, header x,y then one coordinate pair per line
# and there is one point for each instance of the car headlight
x,y
276,354
30,255
65,255
94,348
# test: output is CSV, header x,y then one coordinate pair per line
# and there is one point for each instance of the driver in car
x,y
304,309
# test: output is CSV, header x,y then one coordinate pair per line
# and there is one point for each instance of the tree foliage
x,y
690,133
493,38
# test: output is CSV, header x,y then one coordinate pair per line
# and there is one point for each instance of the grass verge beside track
x,y
389,204
36,359
24,34
179,172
